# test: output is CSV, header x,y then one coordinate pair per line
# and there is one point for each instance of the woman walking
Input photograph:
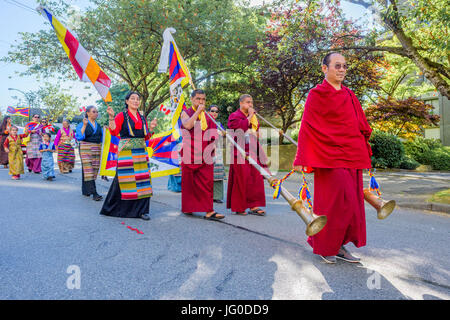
x,y
131,189
34,156
89,133
66,152
219,169
5,129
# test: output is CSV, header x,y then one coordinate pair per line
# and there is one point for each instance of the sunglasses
x,y
338,66
215,111
37,117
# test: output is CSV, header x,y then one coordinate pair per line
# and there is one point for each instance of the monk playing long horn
x,y
333,140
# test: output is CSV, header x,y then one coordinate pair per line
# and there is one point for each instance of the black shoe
x,y
97,197
218,201
145,217
29,170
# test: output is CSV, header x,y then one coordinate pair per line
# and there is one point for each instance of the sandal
x,y
243,213
214,216
188,213
257,212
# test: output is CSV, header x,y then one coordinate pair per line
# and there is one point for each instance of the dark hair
x,y
244,96
129,94
197,91
48,134
88,109
213,106
5,120
326,59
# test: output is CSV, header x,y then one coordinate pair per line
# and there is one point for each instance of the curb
x,y
431,206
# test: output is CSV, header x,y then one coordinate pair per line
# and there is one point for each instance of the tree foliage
x,y
421,30
125,38
288,60
405,118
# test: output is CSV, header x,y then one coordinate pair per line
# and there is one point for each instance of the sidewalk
x,y
409,189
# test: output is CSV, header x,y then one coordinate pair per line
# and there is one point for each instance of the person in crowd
x,y
34,157
219,169
47,148
12,146
89,133
245,182
66,151
5,128
130,192
197,171
333,143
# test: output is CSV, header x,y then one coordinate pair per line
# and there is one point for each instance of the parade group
x,y
332,143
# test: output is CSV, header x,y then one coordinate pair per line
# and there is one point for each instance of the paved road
x,y
47,228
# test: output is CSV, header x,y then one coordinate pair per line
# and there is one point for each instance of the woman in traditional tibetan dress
x,y
66,152
131,189
5,128
89,133
12,147
34,156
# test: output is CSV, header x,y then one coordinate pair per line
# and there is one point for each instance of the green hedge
x,y
388,150
429,152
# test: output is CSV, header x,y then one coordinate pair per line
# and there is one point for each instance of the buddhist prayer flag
x,y
85,67
23,112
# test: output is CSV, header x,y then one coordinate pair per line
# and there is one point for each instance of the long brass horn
x,y
314,223
384,207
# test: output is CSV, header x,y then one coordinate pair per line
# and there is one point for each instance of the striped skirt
x,y
90,159
66,153
133,170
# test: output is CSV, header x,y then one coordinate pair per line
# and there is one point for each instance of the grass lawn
x,y
441,197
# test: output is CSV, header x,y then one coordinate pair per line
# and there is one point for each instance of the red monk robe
x,y
197,167
245,183
333,140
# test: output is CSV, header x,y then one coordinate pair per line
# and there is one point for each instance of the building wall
x,y
444,111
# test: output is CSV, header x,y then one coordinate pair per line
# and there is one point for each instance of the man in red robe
x,y
245,183
197,164
333,141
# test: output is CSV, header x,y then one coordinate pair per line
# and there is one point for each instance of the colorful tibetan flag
x,y
85,67
179,76
23,112
163,148
49,128
171,57
110,148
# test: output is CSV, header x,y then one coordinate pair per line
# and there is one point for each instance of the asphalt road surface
x,y
55,245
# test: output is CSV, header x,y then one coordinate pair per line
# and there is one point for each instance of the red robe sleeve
x,y
6,143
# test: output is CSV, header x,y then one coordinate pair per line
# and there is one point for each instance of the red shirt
x,y
119,119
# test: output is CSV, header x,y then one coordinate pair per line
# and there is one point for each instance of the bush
x,y
388,150
429,152
439,159
409,164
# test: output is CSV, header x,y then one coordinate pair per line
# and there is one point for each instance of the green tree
x,y
421,33
288,60
125,38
